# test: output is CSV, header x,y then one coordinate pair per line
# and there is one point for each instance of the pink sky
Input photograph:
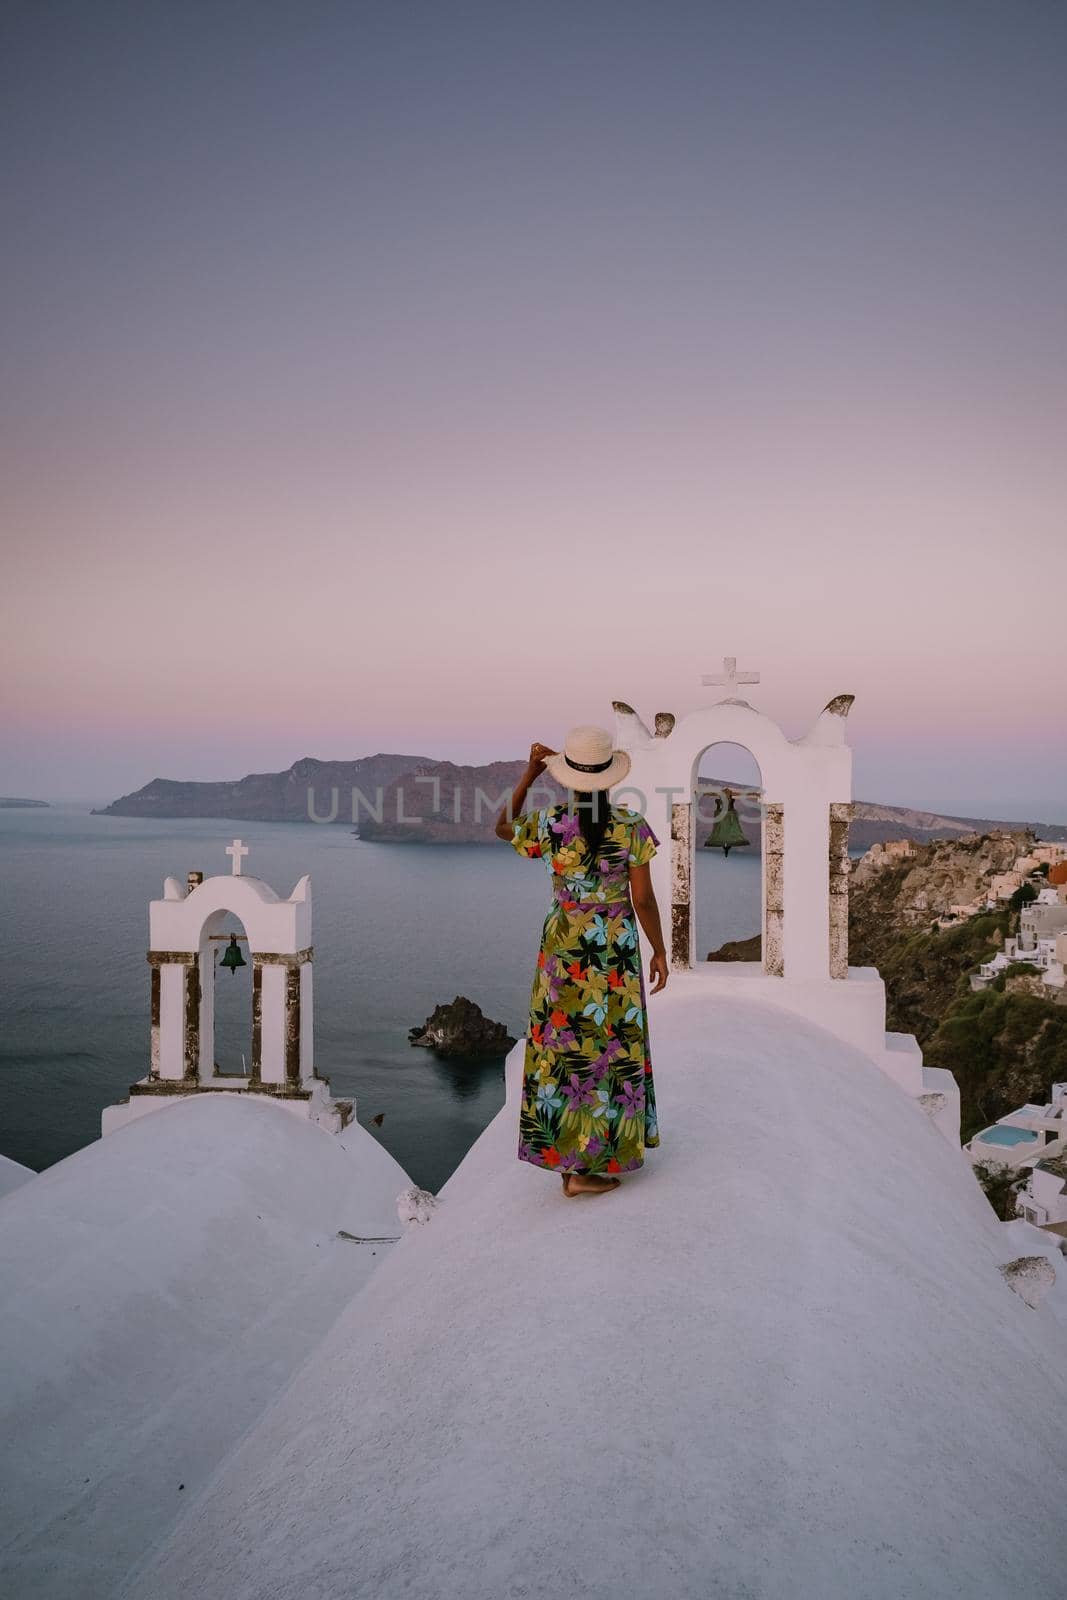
x,y
437,432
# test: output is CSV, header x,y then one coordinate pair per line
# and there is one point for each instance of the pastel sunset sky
x,y
423,376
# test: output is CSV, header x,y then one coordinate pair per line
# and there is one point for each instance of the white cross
x,y
730,675
237,852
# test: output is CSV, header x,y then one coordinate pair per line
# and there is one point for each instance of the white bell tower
x,y
183,928
805,802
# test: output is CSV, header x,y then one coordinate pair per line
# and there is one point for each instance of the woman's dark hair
x,y
593,810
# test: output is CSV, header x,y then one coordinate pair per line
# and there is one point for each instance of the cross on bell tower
x,y
237,852
730,675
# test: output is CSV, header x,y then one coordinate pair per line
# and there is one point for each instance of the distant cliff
x,y
311,790
414,800
888,897
7,803
872,824
452,804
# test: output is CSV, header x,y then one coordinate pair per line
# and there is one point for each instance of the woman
x,y
588,1098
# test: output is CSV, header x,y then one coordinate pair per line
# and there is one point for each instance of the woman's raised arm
x,y
512,807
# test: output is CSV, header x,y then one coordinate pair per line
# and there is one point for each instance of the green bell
x,y
231,956
727,830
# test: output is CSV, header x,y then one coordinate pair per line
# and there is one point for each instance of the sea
x,y
397,929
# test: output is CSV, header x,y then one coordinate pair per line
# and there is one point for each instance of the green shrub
x,y
1000,1185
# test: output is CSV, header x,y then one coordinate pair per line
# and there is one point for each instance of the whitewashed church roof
x,y
780,1362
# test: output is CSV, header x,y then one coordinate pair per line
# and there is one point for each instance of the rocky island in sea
x,y
461,1028
10,803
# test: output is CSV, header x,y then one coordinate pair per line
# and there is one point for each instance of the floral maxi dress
x,y
588,1098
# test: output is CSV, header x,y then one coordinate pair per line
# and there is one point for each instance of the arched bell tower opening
x,y
726,874
226,1022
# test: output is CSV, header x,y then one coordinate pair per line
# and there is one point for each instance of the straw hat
x,y
587,760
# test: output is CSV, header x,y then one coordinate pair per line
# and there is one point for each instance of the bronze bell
x,y
231,956
727,830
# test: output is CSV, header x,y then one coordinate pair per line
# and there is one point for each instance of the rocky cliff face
x,y
941,874
891,911
1004,1045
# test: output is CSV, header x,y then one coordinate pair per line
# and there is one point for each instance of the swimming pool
x,y
1006,1135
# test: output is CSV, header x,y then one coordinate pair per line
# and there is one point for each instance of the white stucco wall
x,y
272,924
1047,1189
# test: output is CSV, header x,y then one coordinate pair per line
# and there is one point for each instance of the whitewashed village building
x,y
1044,1200
1040,943
1020,1137
795,1356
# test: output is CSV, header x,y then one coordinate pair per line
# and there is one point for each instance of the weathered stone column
x,y
681,885
256,1063
840,867
292,1026
278,1019
153,1047
773,890
192,1020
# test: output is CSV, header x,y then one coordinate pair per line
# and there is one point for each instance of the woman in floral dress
x,y
588,1098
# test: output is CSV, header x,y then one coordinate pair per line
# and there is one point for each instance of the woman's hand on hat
x,y
539,753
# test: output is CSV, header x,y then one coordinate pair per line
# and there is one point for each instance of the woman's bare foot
x,y
587,1183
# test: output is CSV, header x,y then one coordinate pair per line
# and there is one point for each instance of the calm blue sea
x,y
397,928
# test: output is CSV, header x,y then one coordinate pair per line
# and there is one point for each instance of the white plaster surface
x,y
779,1363
116,1116
13,1174
853,1008
159,1288
271,923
